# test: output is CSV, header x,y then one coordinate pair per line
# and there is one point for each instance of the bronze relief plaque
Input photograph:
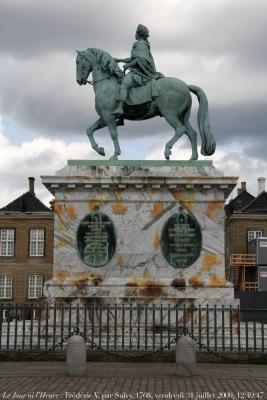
x,y
181,239
96,239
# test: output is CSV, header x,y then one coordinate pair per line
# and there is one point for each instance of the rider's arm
x,y
124,60
130,64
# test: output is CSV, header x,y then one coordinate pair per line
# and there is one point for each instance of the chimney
x,y
31,184
242,188
261,184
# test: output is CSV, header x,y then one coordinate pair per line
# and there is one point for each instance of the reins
x,y
99,80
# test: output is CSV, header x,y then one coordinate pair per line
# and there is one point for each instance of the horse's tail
x,y
208,142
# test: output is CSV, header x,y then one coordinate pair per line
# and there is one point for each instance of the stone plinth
x,y
138,198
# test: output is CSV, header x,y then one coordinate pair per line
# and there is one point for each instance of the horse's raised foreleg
x,y
179,128
90,133
112,127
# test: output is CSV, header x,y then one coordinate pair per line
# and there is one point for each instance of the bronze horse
x,y
173,103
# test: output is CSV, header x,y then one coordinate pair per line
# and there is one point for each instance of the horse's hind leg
x,y
90,133
179,128
191,133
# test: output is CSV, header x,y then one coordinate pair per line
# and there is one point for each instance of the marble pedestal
x,y
139,197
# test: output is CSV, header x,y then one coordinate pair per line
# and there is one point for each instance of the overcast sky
x,y
219,45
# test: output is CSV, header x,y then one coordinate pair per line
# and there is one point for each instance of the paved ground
x,y
48,380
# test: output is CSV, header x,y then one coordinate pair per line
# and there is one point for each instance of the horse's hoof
x,y
101,151
167,154
114,158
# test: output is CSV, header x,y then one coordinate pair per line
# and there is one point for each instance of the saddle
x,y
142,94
140,103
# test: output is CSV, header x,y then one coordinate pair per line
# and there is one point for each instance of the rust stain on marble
x,y
119,208
69,190
81,283
71,212
185,200
157,209
121,241
93,204
151,290
79,278
120,261
61,275
59,209
157,240
214,208
59,244
218,281
208,261
148,287
131,284
178,283
195,281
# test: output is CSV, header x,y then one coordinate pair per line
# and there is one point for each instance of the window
x,y
36,242
252,235
6,283
7,239
35,287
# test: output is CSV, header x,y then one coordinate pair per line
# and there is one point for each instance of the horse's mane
x,y
106,61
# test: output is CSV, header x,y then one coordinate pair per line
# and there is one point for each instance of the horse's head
x,y
83,67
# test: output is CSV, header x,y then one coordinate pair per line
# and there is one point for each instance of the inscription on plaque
x,y
96,239
181,239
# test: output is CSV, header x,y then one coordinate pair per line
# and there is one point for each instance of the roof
x,y
239,202
28,202
258,205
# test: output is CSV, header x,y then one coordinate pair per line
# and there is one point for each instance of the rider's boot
x,y
119,110
123,96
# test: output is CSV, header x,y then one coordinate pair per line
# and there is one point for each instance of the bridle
x,y
99,80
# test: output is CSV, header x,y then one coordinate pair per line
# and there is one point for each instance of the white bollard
x,y
76,356
185,356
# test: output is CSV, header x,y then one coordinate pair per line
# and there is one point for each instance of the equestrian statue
x,y
141,94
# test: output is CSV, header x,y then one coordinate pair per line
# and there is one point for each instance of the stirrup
x,y
120,121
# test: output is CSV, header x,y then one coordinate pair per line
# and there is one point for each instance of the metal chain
x,y
75,331
215,353
185,332
140,355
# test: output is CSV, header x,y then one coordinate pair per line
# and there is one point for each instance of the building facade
x,y
246,219
26,248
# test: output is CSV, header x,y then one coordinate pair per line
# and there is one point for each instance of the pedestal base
x,y
140,199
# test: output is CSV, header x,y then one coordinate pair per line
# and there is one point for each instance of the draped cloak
x,y
145,64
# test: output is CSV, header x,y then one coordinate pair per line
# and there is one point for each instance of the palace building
x,y
246,219
26,248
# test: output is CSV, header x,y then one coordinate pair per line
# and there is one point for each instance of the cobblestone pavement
x,y
132,381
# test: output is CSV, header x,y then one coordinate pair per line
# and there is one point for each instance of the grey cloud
x,y
257,149
240,123
39,91
237,29
30,28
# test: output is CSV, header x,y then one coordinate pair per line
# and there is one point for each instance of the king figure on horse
x,y
141,65
141,94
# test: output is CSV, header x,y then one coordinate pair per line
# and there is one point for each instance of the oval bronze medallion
x,y
181,239
96,239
